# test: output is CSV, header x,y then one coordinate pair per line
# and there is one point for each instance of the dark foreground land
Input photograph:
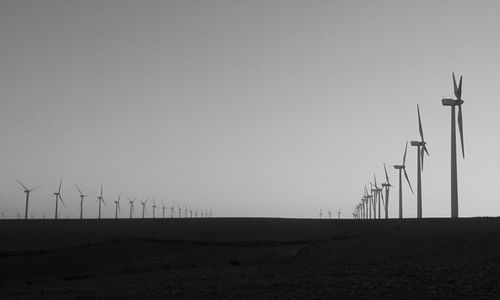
x,y
250,259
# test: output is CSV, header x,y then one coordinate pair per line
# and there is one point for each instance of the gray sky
x,y
252,108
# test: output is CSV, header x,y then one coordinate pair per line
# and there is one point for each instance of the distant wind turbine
x,y
100,199
329,214
163,207
27,191
58,197
369,201
377,192
117,206
131,202
3,213
320,212
172,210
387,185
402,167
143,203
338,213
180,210
82,196
154,207
421,149
455,102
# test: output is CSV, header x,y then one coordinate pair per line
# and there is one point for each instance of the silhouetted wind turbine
x,y
143,203
154,207
338,213
421,149
82,196
58,197
387,185
329,214
163,209
455,102
369,203
172,210
378,197
180,210
100,199
117,206
131,202
27,191
402,167
3,213
320,212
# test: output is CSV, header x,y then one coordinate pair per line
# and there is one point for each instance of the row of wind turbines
x,y
175,209
373,199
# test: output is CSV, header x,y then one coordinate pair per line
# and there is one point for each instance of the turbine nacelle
x,y
399,167
451,102
417,143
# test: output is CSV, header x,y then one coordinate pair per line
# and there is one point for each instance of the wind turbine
x,y
180,210
378,195
329,214
190,212
154,207
163,209
100,199
143,203
3,213
455,102
402,167
27,191
172,210
368,198
82,196
185,210
117,206
58,197
338,213
131,202
320,212
387,185
421,149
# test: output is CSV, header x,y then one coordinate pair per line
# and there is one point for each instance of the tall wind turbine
x,y
154,207
100,199
27,191
58,197
82,196
172,210
143,203
368,198
421,149
403,168
117,206
387,185
131,202
179,209
163,207
455,102
378,196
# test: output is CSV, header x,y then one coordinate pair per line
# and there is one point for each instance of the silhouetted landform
x,y
250,258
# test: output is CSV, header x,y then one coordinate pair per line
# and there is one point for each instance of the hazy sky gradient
x,y
252,108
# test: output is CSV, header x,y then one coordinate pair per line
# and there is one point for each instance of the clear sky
x,y
251,108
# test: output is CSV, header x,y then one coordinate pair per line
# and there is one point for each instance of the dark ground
x,y
246,258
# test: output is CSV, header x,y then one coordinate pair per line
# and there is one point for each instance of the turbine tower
x,y
402,168
163,209
100,199
378,197
368,207
338,213
27,191
82,196
58,197
455,102
131,202
421,149
386,185
117,206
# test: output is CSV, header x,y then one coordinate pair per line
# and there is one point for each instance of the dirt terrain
x,y
250,258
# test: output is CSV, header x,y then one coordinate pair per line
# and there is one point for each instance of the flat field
x,y
250,258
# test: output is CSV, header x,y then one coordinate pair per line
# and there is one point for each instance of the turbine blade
x,y
420,130
22,184
60,184
408,180
119,196
62,201
460,89
80,191
404,156
461,129
33,189
386,176
101,190
375,180
422,157
455,89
